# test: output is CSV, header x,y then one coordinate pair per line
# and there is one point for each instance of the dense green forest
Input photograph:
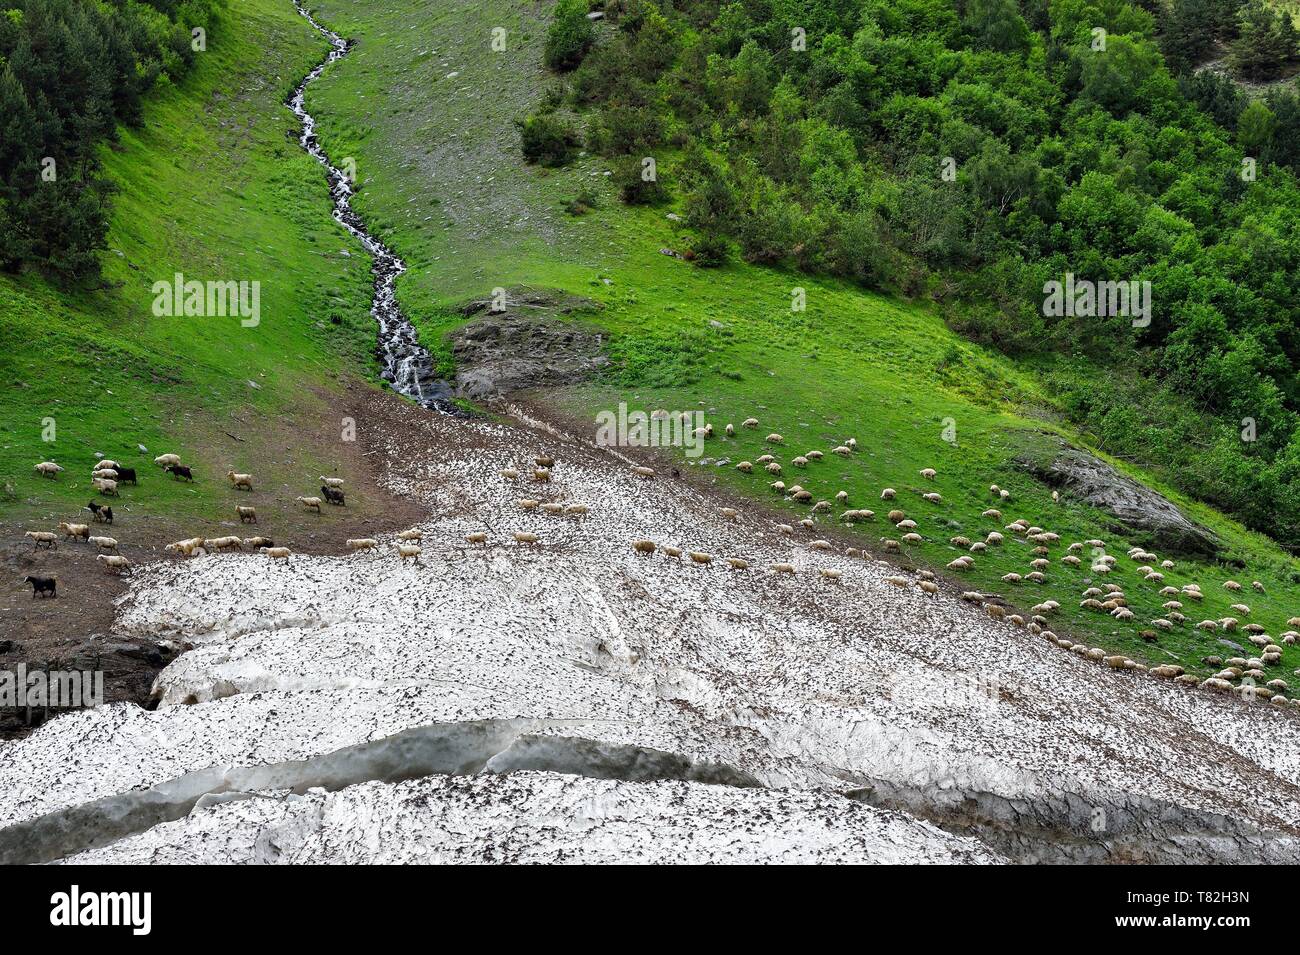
x,y
972,152
70,72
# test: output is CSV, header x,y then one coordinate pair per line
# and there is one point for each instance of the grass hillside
x,y
213,185
426,107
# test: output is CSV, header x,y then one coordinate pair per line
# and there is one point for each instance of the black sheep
x,y
332,495
108,514
41,585
180,471
126,474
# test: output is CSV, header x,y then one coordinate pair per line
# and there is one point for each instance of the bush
x,y
548,140
710,251
570,36
633,187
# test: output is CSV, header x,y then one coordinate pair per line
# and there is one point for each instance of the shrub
x,y
570,36
548,140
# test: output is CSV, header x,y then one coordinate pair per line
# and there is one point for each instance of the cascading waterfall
x,y
407,365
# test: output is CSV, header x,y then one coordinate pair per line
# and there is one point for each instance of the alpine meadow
x,y
652,431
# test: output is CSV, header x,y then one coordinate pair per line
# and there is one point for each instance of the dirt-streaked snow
x,y
804,684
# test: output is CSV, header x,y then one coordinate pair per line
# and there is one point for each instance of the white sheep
x,y
643,546
745,467
186,547
105,486
749,423
107,474
47,469
167,460
933,497
414,534
700,557
543,475
244,481
774,438
841,497
103,543
524,537
75,530
642,471
730,513
782,568
510,474
411,551
362,543
830,575
47,538
331,481
576,510
310,503
929,473
106,463
737,563
888,494
224,543
114,563
276,553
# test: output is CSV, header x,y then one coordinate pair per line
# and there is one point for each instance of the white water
x,y
406,364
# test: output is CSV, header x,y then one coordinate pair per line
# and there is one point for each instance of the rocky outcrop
x,y
529,340
1137,507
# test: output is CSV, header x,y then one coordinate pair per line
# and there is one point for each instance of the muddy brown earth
x,y
74,630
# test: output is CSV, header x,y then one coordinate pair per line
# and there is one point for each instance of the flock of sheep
x,y
107,475
1247,676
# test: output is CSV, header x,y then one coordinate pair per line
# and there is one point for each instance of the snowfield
x,y
774,696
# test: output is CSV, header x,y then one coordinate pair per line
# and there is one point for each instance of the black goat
x,y
126,474
41,585
180,471
101,512
332,495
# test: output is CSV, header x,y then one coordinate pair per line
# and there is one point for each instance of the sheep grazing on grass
x,y
331,481
992,513
1162,624
409,551
1231,585
1071,561
358,544
1207,625
888,494
852,443
105,486
333,495
778,486
524,537
896,516
576,510
821,506
799,461
186,548
277,553
240,481
773,468
830,575
745,467
765,459
842,450
978,547
994,539
246,515
310,503
75,530
737,563
44,586
730,513
782,568
749,423
114,563
105,474
166,460
933,497
1257,585
891,546
643,546
543,476
178,471
1011,578
959,541
802,496
961,563
413,534
774,438
731,430
642,471
841,497
699,557
814,455
912,538
1241,609
47,538
103,543
477,537
928,473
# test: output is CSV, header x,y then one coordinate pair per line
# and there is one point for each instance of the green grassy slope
x,y
213,185
426,108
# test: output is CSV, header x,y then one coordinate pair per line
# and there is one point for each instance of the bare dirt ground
x,y
75,629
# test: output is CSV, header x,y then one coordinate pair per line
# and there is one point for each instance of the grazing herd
x,y
106,477
1246,675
